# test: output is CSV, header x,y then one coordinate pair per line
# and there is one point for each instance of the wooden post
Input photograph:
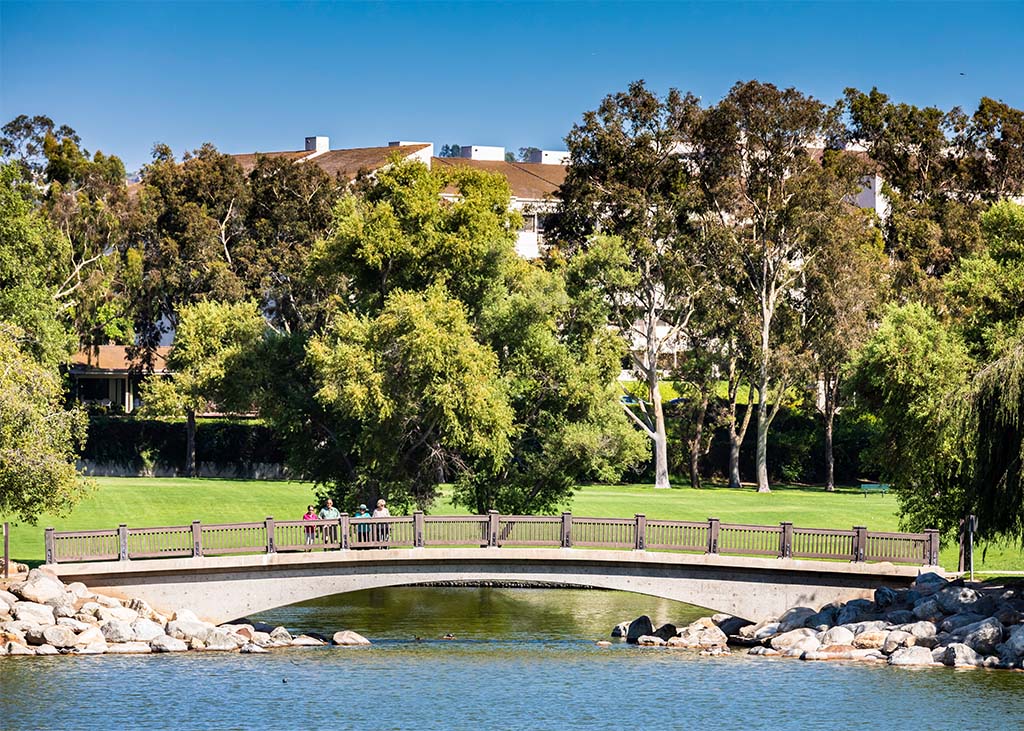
x,y
932,553
714,525
641,532
860,542
566,530
122,542
418,527
268,526
343,526
492,528
51,547
786,540
197,539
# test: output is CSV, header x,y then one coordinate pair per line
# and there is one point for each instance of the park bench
x,y
874,487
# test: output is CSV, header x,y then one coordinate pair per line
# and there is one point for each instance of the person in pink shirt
x,y
310,530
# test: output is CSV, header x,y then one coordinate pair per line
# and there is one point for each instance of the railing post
x,y
566,530
714,524
197,539
786,540
641,532
860,542
932,547
418,528
492,528
122,542
343,526
268,526
51,547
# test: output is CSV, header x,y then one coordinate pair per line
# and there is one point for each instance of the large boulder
x,y
959,655
665,631
1013,648
89,636
7,598
951,624
822,620
142,609
928,609
702,633
47,650
262,639
857,628
251,648
39,587
1007,614
63,604
870,640
166,643
855,611
33,613
78,589
912,656
650,641
59,636
280,636
107,601
928,583
16,648
639,627
124,614
74,624
146,630
981,636
620,629
897,639
184,615
348,637
795,618
117,631
219,639
959,599
93,648
885,597
307,641
786,640
836,636
730,625
899,616
188,630
919,629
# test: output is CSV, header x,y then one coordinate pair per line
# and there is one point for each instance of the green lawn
x,y
152,502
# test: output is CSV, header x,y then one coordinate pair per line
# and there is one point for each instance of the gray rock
x,y
762,651
885,597
74,624
78,589
750,630
117,631
638,628
262,639
702,633
219,639
959,655
951,624
899,616
63,604
836,636
184,615
124,614
143,610
47,650
59,636
765,631
1008,615
93,648
870,640
982,636
872,626
665,631
928,610
34,634
855,611
16,648
89,636
128,648
307,641
648,641
107,601
787,639
919,629
39,587
33,612
897,639
958,599
166,643
188,630
280,634
146,630
928,583
7,597
348,637
911,656
730,625
619,630
795,618
250,648
822,620
1012,648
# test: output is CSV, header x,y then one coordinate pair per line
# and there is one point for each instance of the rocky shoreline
x,y
42,616
934,623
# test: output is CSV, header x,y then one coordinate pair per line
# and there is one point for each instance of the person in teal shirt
x,y
363,530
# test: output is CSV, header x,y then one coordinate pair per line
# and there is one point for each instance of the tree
x,y
765,201
843,287
525,153
510,156
211,343
39,438
450,151
624,213
24,140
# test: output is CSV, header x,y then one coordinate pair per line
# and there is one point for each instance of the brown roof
x,y
528,180
342,163
113,358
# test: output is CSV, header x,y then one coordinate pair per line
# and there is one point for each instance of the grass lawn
x,y
168,501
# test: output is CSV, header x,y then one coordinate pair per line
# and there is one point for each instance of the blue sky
x,y
259,76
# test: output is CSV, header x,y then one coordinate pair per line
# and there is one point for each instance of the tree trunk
x,y
696,444
762,432
831,387
190,443
736,436
660,439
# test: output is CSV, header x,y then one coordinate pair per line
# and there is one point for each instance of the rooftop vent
x,y
482,152
318,144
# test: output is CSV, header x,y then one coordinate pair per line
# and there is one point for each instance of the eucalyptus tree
x,y
767,196
624,218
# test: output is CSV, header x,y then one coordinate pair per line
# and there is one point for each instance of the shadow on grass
x,y
794,487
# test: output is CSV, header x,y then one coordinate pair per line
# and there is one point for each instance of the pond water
x,y
522,659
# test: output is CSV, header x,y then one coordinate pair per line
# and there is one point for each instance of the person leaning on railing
x,y
383,530
329,512
310,530
362,529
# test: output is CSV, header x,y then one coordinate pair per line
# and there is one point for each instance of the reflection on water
x,y
522,660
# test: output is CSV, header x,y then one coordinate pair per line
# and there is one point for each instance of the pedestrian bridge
x,y
223,572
